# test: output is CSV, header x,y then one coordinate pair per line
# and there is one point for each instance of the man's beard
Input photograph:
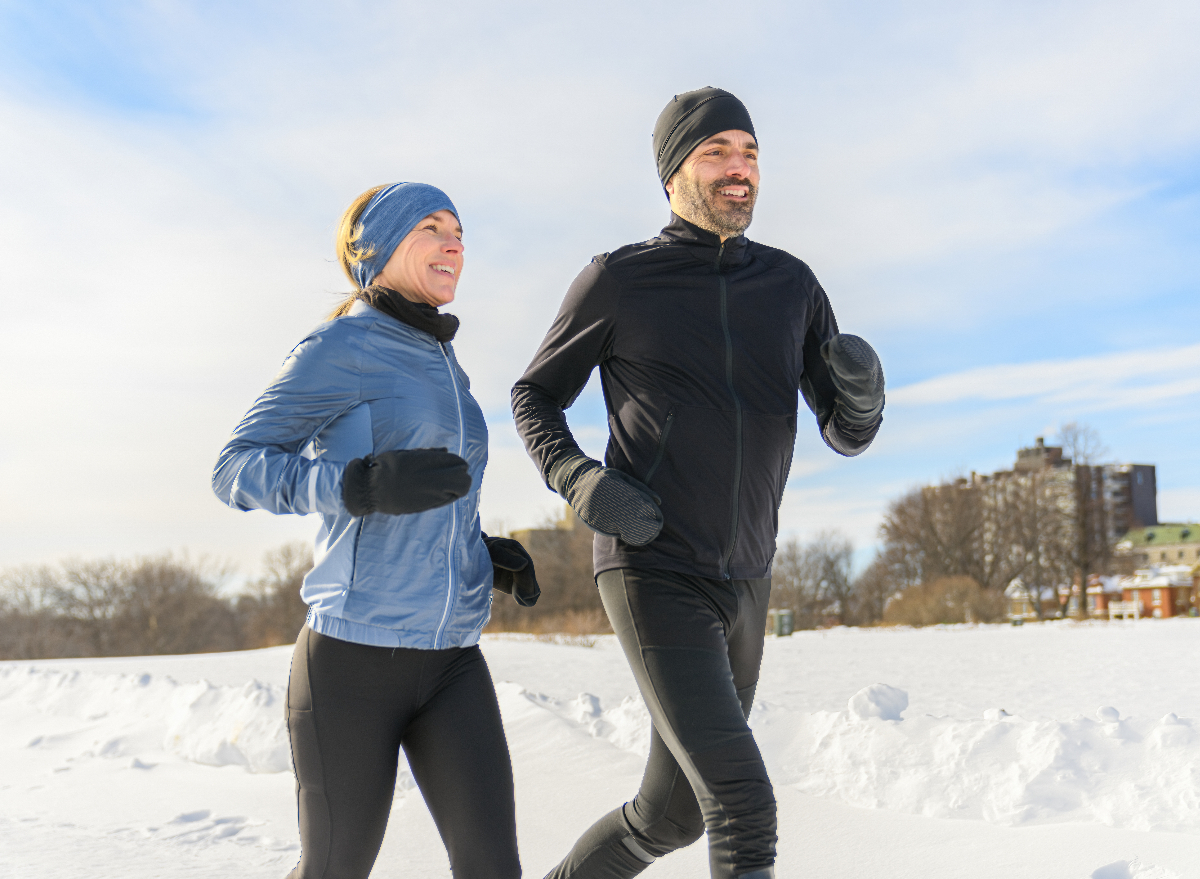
x,y
703,205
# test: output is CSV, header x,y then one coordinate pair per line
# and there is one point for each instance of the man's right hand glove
x,y
608,501
858,378
404,481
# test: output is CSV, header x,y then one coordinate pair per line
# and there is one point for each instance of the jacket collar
x,y
705,245
416,314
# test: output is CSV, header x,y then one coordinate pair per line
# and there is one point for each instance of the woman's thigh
x,y
345,724
459,757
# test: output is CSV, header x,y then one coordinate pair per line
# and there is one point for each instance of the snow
x,y
1056,750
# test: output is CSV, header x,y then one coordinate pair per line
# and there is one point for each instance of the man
x,y
703,339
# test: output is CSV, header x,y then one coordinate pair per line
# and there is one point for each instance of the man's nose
x,y
737,166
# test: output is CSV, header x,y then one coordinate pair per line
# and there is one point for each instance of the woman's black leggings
x,y
350,710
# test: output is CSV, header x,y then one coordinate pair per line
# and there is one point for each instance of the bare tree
x,y
1081,443
110,608
1091,550
30,624
272,613
987,529
172,605
89,596
813,580
888,574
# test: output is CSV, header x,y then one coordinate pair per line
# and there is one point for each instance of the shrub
x,y
945,600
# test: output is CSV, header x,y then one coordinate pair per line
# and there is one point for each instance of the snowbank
x,y
130,715
1121,772
1132,773
130,763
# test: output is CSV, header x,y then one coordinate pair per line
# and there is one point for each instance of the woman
x,y
370,422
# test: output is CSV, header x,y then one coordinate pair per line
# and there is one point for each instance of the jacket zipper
x,y
662,447
450,581
737,408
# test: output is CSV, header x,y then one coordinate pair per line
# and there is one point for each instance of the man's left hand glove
x,y
858,377
513,568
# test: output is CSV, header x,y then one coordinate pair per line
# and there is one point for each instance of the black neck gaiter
x,y
416,314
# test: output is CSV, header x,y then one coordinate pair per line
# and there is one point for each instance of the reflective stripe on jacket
x,y
357,385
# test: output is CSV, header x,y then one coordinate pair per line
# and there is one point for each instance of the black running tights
x,y
350,710
695,646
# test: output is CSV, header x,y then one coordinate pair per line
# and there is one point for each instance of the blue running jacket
x,y
357,385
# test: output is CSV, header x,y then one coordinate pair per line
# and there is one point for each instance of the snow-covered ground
x,y
1058,750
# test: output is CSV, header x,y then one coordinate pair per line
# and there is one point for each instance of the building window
x,y
1157,595
1181,553
1164,556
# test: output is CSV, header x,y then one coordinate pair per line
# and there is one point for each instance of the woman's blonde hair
x,y
349,253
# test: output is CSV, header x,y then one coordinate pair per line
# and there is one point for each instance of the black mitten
x,y
858,378
608,501
513,568
404,481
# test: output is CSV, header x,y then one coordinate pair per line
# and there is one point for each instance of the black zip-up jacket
x,y
702,347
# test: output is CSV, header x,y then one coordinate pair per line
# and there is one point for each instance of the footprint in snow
x,y
188,817
1134,869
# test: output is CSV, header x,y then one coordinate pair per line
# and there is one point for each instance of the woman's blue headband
x,y
390,215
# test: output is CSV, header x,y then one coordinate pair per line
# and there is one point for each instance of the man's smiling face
x,y
716,186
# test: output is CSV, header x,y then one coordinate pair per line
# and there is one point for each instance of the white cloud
x,y
1130,379
155,271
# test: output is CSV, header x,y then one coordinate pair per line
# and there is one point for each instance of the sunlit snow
x,y
1054,750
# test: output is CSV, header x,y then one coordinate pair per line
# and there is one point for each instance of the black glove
x,y
404,481
607,500
513,568
858,377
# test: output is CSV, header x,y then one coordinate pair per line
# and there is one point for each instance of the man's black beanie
x,y
692,118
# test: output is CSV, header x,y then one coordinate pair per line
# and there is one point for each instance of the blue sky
x,y
1003,197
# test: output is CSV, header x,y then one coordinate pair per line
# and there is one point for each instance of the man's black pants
x,y
695,646
350,709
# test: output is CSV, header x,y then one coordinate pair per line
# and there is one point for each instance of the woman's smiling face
x,y
426,265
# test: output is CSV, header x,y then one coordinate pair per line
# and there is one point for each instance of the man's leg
x,y
695,647
664,816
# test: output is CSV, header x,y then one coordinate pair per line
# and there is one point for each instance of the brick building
x,y
1161,592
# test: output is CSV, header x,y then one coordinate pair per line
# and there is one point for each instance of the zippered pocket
x,y
662,447
787,462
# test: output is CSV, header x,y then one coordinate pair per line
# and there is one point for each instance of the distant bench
x,y
1124,609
